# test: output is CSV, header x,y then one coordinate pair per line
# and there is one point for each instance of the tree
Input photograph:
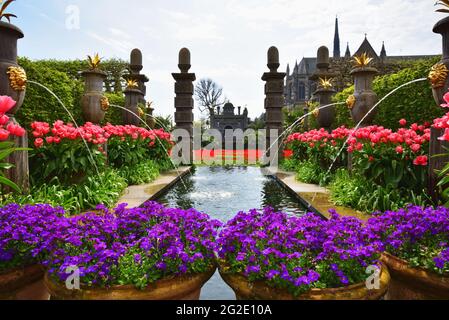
x,y
209,96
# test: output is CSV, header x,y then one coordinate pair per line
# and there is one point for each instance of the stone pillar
x,y
440,83
135,93
93,103
274,98
184,91
325,89
13,84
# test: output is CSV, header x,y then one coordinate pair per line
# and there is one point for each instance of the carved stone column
x,y
135,91
274,98
13,84
184,91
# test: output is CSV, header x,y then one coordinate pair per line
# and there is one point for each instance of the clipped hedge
x,y
414,103
65,80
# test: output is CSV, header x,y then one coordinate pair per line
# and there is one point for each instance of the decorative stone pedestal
x,y
184,102
274,101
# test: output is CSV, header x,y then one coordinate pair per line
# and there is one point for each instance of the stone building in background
x,y
299,88
228,119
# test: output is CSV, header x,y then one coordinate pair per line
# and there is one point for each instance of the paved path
x,y
135,196
317,196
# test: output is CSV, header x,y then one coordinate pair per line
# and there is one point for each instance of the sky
x,y
228,39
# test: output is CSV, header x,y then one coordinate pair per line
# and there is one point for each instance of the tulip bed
x,y
389,166
79,167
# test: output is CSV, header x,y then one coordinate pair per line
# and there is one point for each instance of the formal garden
x,y
94,205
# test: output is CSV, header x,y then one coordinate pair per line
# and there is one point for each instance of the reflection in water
x,y
222,192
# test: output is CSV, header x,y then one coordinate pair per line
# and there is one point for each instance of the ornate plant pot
x,y
24,284
93,102
414,283
365,97
13,83
12,77
187,287
439,73
259,290
133,97
325,116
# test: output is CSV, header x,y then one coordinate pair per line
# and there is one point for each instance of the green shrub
x,y
309,172
105,188
415,102
114,114
354,191
65,80
144,172
290,164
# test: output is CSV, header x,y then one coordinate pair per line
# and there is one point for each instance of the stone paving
x,y
135,196
317,196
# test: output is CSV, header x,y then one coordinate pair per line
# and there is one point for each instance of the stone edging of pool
x,y
136,196
315,198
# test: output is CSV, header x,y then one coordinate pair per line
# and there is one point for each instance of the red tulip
x,y
6,104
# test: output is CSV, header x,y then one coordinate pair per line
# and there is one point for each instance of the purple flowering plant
x,y
27,234
135,246
417,235
297,254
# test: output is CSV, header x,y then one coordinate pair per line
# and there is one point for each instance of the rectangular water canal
x,y
222,192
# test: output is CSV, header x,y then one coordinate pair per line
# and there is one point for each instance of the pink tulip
x,y
6,104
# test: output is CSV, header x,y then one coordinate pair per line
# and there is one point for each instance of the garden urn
x,y
26,283
133,100
93,102
408,283
151,120
13,82
12,77
364,99
183,287
260,290
438,75
325,116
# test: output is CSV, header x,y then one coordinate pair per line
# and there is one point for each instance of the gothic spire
x,y
348,52
383,52
336,40
288,69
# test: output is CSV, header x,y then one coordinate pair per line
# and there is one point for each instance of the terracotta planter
x,y
365,97
180,288
92,99
259,290
414,283
23,284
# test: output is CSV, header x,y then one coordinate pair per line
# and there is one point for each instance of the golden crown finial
x,y
94,62
132,83
326,83
3,8
445,4
363,60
